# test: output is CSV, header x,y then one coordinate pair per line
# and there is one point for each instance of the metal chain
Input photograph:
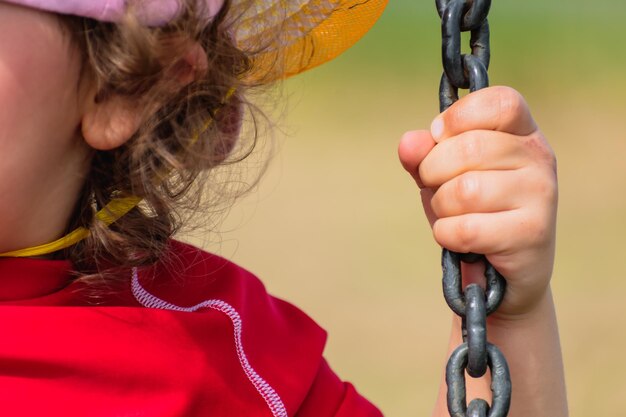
x,y
473,304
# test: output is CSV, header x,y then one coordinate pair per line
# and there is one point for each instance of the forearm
x,y
532,348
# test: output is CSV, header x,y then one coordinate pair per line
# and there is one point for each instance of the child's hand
x,y
489,185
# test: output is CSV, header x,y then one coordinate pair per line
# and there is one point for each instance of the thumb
x,y
413,148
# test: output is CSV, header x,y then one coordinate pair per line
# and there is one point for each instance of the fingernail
x,y
436,128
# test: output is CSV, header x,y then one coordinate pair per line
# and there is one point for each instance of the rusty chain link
x,y
472,304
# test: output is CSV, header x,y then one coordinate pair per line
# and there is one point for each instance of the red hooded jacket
x,y
195,335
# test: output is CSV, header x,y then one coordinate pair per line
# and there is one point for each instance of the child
x,y
108,115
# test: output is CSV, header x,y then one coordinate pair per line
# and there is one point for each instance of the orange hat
x,y
302,34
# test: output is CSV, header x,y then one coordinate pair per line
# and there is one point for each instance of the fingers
x,y
497,108
492,211
488,182
473,151
413,148
487,233
482,192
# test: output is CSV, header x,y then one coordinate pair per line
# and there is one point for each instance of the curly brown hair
x,y
173,148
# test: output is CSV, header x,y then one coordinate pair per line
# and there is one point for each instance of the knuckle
x,y
511,98
512,104
470,149
467,188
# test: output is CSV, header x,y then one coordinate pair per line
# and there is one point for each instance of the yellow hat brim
x,y
293,36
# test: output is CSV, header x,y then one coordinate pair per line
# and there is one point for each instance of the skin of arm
x,y
488,185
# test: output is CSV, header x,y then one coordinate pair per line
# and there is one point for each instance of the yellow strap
x,y
108,215
113,211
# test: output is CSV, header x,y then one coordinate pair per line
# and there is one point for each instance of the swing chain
x,y
473,304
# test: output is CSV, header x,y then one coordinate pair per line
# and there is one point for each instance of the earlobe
x,y
109,124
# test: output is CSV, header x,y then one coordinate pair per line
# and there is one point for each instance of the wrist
x,y
530,344
535,312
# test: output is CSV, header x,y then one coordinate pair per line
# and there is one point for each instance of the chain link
x,y
473,304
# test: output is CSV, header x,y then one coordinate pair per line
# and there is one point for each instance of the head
x,y
90,111
93,111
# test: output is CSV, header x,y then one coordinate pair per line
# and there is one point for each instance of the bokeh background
x,y
336,226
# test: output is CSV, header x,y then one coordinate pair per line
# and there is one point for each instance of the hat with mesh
x,y
296,34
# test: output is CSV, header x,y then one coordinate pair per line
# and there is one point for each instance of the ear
x,y
193,65
109,123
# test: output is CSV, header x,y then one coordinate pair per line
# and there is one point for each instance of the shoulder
x,y
275,350
188,276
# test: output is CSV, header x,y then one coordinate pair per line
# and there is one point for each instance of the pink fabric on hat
x,y
151,12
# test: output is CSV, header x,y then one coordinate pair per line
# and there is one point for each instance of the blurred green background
x,y
336,226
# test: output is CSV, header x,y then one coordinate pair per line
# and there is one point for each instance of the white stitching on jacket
x,y
268,393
